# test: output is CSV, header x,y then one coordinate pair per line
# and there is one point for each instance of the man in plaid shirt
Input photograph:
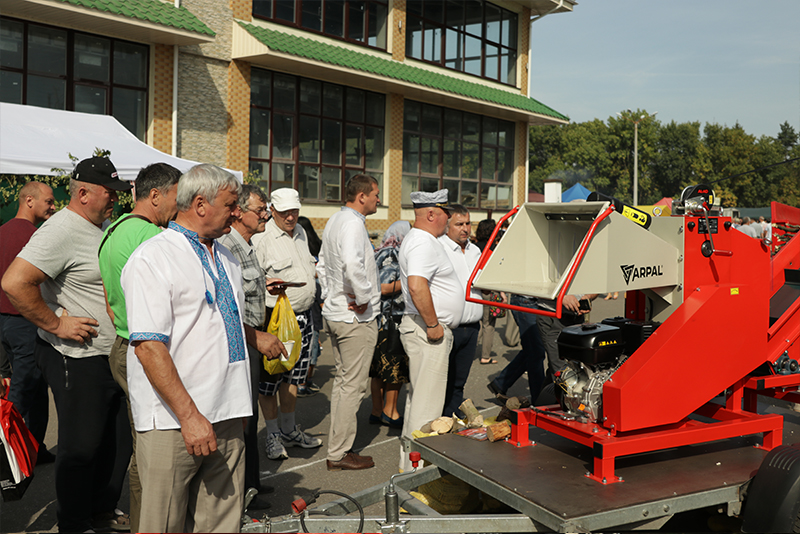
x,y
253,205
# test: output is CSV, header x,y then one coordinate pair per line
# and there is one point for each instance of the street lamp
x,y
636,151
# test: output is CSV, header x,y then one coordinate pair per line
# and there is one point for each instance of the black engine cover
x,y
590,343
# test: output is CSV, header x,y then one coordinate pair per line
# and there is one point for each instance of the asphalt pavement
x,y
305,470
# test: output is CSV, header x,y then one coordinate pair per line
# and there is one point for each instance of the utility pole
x,y
636,151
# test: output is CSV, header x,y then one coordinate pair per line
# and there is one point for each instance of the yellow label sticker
x,y
734,291
582,407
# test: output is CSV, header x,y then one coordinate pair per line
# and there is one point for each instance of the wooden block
x,y
498,431
474,418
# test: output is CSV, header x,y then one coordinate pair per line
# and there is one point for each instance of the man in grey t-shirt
x,y
55,283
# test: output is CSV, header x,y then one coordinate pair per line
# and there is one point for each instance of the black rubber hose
x,y
349,498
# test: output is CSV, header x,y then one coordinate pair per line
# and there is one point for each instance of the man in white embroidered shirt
x,y
352,302
188,372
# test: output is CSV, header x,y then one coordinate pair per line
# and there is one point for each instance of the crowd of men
x,y
756,228
150,332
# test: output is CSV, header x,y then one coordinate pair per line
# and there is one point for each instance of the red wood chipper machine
x,y
711,323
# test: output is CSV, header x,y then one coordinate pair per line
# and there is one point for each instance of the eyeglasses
x,y
258,211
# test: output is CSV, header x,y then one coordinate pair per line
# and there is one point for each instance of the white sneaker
x,y
275,448
299,438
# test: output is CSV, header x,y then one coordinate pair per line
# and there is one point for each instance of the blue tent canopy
x,y
575,192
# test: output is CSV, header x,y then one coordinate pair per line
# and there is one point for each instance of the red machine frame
x,y
744,276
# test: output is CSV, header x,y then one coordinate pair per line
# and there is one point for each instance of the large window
x,y
312,135
360,21
472,36
63,69
471,155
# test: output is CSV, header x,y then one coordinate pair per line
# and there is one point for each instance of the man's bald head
x,y
36,202
33,189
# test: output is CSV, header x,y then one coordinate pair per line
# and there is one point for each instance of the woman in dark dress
x,y
389,371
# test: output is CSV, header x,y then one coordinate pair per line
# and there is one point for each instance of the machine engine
x,y
594,351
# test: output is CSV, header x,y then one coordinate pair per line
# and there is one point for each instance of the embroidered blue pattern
x,y
149,336
224,297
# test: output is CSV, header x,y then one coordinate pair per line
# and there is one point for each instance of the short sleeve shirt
x,y
65,249
126,236
13,235
165,286
421,254
287,257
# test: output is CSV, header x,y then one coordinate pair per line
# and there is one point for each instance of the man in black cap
x,y
55,283
434,298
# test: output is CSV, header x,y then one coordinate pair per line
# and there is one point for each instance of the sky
x,y
713,61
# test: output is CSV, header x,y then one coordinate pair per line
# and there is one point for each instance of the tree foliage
x,y
59,182
599,154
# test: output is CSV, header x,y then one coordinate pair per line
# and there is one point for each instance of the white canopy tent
x,y
34,140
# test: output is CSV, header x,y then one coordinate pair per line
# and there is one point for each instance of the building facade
x,y
421,94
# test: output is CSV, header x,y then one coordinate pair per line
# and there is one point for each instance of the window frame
x,y
323,116
72,80
462,137
446,28
298,23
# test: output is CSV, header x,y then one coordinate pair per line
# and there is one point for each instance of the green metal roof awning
x,y
149,21
339,64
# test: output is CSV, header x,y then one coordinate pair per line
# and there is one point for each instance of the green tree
x,y
672,156
787,137
788,179
621,147
730,152
677,149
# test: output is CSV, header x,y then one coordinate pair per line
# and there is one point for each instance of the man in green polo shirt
x,y
156,188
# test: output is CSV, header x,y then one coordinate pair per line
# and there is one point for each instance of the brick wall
x,y
399,30
524,48
202,108
242,9
394,166
520,178
162,98
238,139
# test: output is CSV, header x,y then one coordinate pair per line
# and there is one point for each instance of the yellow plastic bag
x,y
283,324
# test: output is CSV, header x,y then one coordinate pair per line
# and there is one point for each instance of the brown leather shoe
x,y
351,461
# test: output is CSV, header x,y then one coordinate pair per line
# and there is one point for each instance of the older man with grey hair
x,y
188,371
252,220
283,253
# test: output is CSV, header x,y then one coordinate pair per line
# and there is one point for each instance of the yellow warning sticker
x,y
734,291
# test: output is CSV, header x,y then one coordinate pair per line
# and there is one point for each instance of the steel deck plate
x,y
547,482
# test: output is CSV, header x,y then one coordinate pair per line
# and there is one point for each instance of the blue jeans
x,y
28,391
531,357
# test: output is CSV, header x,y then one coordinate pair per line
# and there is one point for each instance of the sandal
x,y
114,519
490,361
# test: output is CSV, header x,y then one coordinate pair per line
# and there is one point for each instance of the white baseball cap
x,y
285,199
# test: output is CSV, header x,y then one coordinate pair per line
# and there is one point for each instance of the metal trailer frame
x,y
421,518
544,483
